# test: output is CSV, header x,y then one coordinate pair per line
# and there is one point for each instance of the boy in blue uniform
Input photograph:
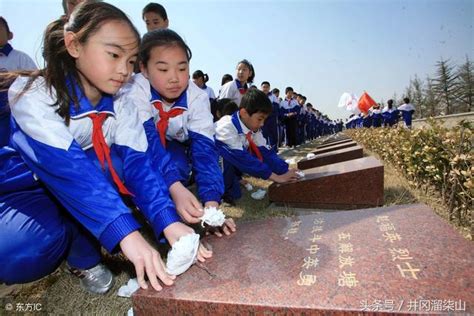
x,y
407,109
270,128
290,110
244,149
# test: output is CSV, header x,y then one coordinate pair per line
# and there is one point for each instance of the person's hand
x,y
290,175
187,206
174,231
203,253
146,260
227,228
211,204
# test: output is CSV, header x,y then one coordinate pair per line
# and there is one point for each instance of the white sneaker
x,y
96,280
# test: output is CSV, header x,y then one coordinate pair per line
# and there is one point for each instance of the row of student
x,y
291,120
387,117
85,138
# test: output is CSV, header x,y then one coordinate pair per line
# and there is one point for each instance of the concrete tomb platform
x,y
334,143
346,185
331,157
399,259
323,150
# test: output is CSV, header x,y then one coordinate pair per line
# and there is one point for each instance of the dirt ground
x,y
59,293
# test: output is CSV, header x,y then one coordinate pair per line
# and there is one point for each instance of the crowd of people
x,y
113,123
387,117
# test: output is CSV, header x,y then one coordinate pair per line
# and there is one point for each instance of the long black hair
x,y
159,38
87,18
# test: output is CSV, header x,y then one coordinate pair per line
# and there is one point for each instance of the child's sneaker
x,y
96,280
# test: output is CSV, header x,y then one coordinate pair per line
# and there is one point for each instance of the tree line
x,y
449,91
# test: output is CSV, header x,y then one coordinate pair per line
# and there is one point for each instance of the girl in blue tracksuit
x,y
176,115
73,151
235,89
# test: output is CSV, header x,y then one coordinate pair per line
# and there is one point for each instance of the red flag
x,y
365,103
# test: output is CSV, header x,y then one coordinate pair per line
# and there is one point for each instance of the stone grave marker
x,y
399,259
323,150
331,157
350,184
323,145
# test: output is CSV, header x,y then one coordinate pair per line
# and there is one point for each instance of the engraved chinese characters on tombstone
x,y
394,259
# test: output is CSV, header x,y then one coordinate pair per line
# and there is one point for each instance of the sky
x,y
321,48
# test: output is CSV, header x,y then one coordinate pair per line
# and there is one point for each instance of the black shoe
x,y
228,199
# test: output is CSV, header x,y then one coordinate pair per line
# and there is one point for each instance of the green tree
x,y
466,85
417,96
445,85
430,100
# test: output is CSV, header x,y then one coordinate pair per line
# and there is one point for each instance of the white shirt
x,y
16,60
227,133
406,107
231,91
210,92
288,105
38,119
197,118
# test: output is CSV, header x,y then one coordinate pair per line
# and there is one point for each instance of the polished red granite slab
x,y
350,184
331,157
323,145
323,150
399,259
335,138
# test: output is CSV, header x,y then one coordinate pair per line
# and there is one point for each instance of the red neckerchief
x,y
102,150
253,149
162,124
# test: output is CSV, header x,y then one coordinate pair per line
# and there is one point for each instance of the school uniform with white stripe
x,y
244,151
10,60
233,90
290,110
407,110
270,128
60,184
181,136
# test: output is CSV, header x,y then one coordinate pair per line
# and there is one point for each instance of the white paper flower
x,y
300,174
183,254
212,217
259,194
128,289
248,186
310,156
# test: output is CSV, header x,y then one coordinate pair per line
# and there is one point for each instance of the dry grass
x,y
61,294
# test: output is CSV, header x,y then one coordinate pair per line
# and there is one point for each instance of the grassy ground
x,y
60,293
